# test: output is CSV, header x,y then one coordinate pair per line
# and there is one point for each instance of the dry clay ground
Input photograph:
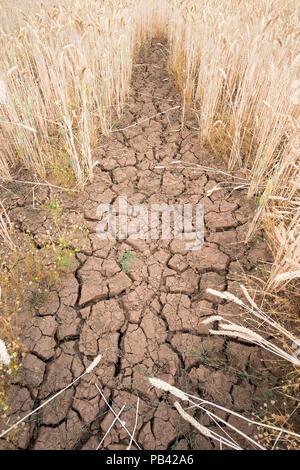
x,y
146,321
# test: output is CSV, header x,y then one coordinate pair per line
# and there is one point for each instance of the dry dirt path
x,y
146,321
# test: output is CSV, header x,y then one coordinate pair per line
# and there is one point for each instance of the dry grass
x,y
230,329
65,70
224,438
27,276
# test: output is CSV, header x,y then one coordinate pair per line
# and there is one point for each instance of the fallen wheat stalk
x,y
93,364
146,119
162,385
237,331
135,424
114,413
110,427
203,429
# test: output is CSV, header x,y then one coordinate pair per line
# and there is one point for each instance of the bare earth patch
x,y
146,321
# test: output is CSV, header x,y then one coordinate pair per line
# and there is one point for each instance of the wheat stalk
x,y
236,331
89,369
162,385
65,73
6,229
114,413
135,424
204,430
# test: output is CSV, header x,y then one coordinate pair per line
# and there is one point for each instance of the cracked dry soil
x,y
145,322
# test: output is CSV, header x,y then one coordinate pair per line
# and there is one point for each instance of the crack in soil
x,y
133,327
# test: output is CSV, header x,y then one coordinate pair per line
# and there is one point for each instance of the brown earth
x,y
147,321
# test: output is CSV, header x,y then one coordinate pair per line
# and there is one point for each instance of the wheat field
x,y
65,70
